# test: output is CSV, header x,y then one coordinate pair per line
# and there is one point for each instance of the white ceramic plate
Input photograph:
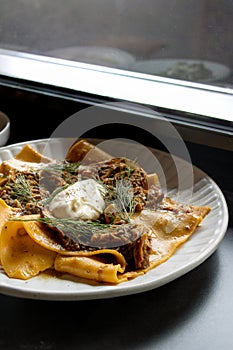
x,y
159,67
107,56
195,251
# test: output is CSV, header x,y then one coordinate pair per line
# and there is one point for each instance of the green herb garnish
x,y
21,189
75,229
65,166
121,195
124,197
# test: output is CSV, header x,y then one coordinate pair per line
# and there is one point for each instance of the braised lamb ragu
x,y
136,224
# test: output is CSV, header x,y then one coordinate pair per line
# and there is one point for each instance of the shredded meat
x,y
111,171
16,196
133,241
138,252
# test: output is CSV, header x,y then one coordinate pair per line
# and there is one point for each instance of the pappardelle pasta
x,y
91,215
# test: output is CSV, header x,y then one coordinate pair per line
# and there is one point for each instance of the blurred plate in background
x,y
106,56
184,69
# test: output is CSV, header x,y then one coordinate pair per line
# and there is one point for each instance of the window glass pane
x,y
189,40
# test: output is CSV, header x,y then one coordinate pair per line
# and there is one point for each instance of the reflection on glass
x,y
189,40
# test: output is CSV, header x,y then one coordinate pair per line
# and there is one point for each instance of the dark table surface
x,y
193,312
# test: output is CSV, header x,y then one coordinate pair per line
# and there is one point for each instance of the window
x,y
172,55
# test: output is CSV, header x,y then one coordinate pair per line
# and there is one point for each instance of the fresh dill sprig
x,y
65,222
64,166
121,195
124,197
21,189
66,170
131,167
75,229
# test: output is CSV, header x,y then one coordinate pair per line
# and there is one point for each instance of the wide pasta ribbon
x,y
21,256
28,248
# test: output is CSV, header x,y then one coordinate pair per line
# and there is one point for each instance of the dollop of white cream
x,y
83,200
